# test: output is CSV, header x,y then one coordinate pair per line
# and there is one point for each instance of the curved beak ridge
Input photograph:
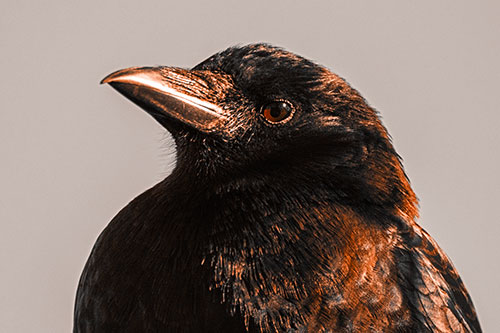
x,y
169,93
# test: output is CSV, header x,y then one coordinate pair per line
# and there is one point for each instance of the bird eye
x,y
277,111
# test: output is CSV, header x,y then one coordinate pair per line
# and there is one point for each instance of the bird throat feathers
x,y
260,233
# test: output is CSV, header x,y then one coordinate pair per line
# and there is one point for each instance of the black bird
x,y
288,211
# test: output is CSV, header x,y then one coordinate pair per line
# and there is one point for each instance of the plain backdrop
x,y
73,153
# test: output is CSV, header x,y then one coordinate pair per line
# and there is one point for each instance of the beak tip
x,y
109,78
120,74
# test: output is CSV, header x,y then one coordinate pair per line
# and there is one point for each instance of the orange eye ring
x,y
277,112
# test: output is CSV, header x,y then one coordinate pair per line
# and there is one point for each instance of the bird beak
x,y
168,93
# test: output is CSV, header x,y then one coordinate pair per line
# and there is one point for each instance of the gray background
x,y
73,152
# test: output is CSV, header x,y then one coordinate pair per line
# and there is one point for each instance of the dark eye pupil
x,y
277,109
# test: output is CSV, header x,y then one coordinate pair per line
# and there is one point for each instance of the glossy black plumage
x,y
307,224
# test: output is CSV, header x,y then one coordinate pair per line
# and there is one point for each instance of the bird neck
x,y
268,246
272,248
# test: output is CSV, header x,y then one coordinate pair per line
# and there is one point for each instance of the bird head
x,y
261,112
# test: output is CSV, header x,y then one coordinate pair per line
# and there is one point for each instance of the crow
x,y
288,210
